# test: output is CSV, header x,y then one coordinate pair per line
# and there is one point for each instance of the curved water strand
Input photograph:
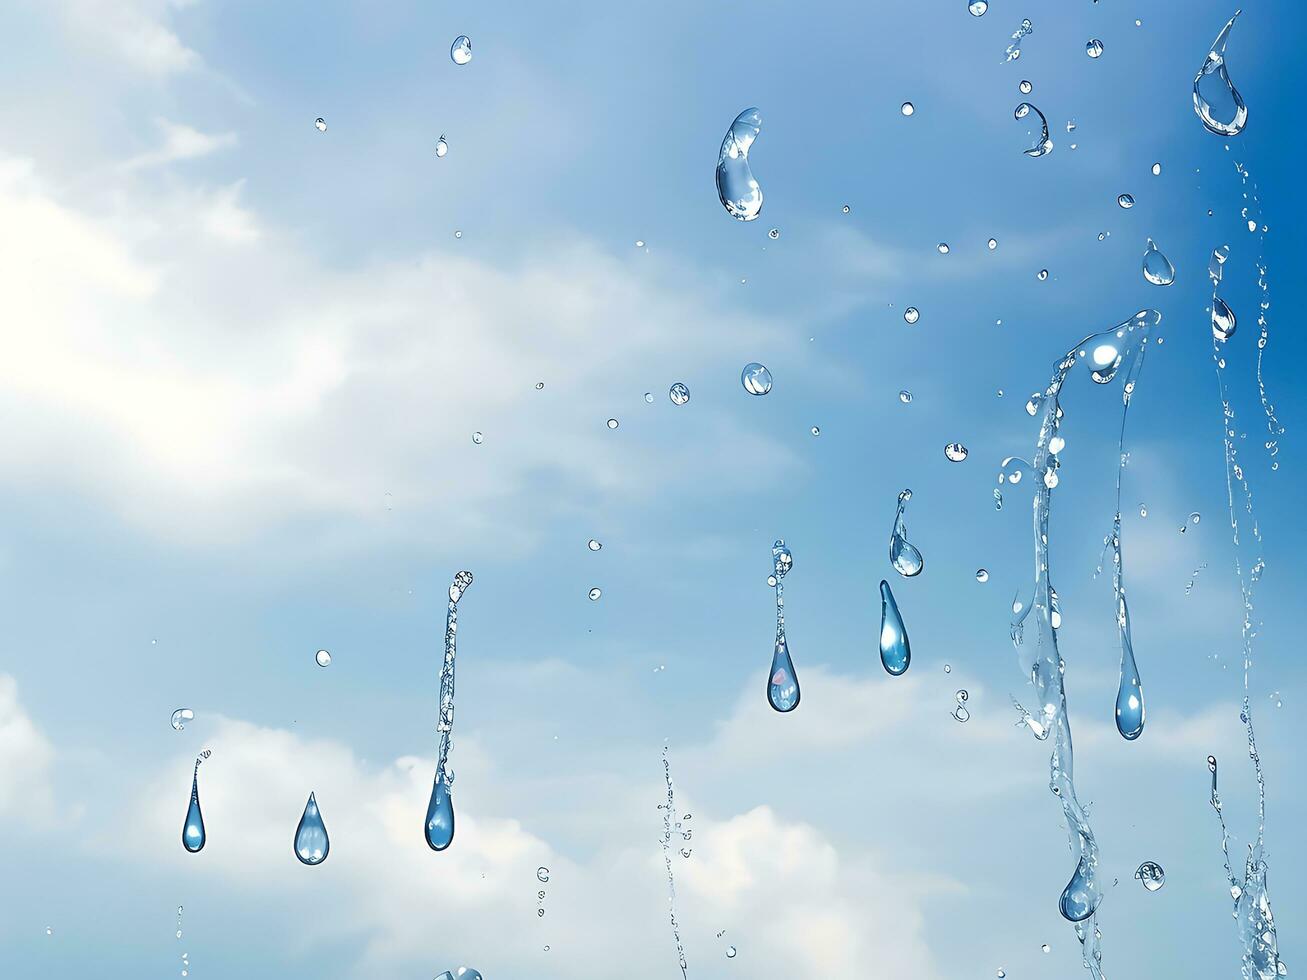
x,y
1034,630
194,836
312,845
905,558
1043,144
782,681
1214,64
736,187
669,815
1024,30
439,827
895,651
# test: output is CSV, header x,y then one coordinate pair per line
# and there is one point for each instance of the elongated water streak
x,y
439,829
669,815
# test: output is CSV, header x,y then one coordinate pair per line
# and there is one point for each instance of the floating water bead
x,y
1094,48
1151,875
442,147
955,452
1157,170
1157,268
322,658
595,593
977,8
477,438
1126,201
1025,88
180,717
461,50
774,234
312,844
678,393
982,575
594,545
737,189
907,108
755,378
911,314
321,124
905,396
613,423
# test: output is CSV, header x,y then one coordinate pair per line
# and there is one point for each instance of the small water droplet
x,y
678,393
323,658
1157,268
774,234
1042,275
477,438
905,396
461,50
442,147
846,209
755,378
1151,875
1045,948
736,187
542,873
613,423
311,842
993,244
593,545
648,397
321,124
1126,201
1025,87
1094,47
1157,170
180,717
595,593
911,314
982,575
942,248
730,952
907,108
960,712
816,430
955,452
895,651
977,8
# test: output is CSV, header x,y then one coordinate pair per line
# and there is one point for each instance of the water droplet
x,y
193,835
542,873
1081,896
1214,64
755,378
977,8
816,430
955,452
1020,34
311,842
593,545
736,188
905,558
1043,144
774,234
1151,875
1143,510
905,396
982,575
595,593
846,209
180,717
439,828
1157,267
1157,170
907,108
461,50
1130,692
323,658
321,124
1223,320
960,712
895,651
477,438
613,423
942,248
648,397
1045,948
442,147
1042,275
1094,47
678,393
911,314
458,234
1126,201
1025,87
993,244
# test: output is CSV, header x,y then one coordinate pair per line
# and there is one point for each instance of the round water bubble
x,y
955,452
678,393
595,593
461,50
613,423
911,314
992,243
1025,87
1126,201
907,108
1041,275
478,438
180,717
1094,47
774,234
1151,875
321,124
323,658
982,575
942,248
756,378
846,209
1157,170
648,396
905,396
442,147
816,430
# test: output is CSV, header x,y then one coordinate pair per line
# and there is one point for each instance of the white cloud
x,y
138,32
25,758
180,142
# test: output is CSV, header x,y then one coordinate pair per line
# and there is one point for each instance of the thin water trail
x,y
669,815
782,681
1104,354
1252,907
440,810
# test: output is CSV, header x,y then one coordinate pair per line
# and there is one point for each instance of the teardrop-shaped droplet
x,y
1129,695
442,147
895,651
311,842
782,683
460,52
905,558
1223,320
193,835
1214,64
440,815
1157,267
739,192
1081,896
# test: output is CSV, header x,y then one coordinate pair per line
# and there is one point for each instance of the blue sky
x,y
245,359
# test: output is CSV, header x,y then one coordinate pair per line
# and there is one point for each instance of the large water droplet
x,y
736,188
895,652
311,842
1130,692
756,378
180,717
1157,267
193,835
905,558
1235,111
1094,48
440,815
678,393
1151,875
461,50
1081,896
782,682
1223,320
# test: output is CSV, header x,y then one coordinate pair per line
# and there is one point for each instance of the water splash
x,y
895,651
1214,64
312,845
669,814
439,827
1043,144
905,558
782,682
1157,268
193,834
736,187
1020,34
1103,354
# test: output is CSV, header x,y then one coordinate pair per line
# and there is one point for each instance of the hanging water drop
x,y
311,842
1130,692
755,378
461,50
736,187
905,558
439,827
193,835
1157,267
895,651
782,682
1214,64
1081,896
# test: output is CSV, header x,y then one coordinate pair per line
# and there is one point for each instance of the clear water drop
x,y
907,108
442,147
955,452
1157,170
977,8
755,378
542,874
846,209
595,593
960,712
816,430
1236,113
895,651
613,423
782,681
993,244
905,396
1082,894
982,575
774,234
1126,201
730,952
1025,87
180,717
478,438
1042,275
1130,692
942,248
461,50
193,835
1094,48
736,187
648,397
311,842
1043,143
322,658
594,545
678,393
905,558
320,124
439,827
1157,268
1150,875
1224,322
911,314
